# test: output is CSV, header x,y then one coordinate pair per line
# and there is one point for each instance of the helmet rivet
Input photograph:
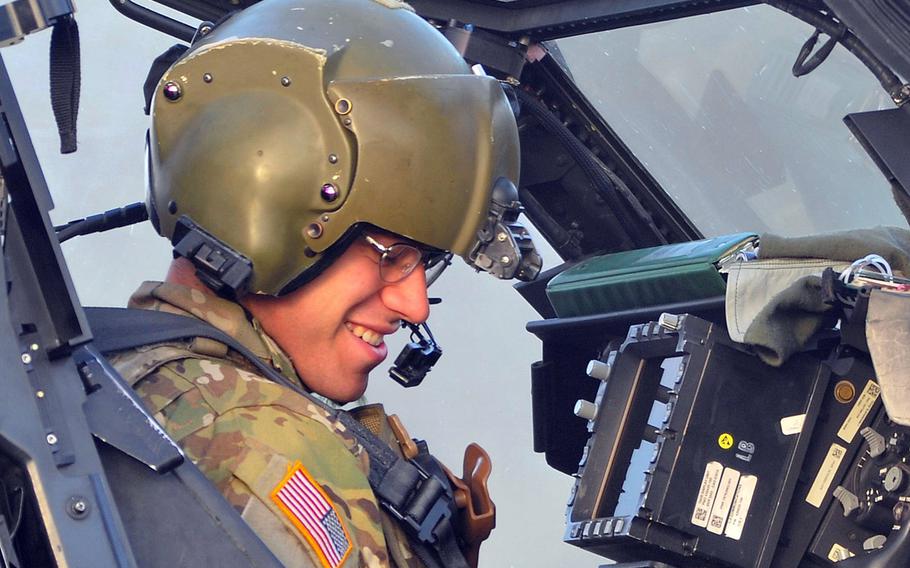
x,y
172,91
505,260
347,122
325,218
329,192
172,207
333,159
342,106
314,230
207,77
285,81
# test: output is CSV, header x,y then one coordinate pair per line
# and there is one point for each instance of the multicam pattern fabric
x,y
245,432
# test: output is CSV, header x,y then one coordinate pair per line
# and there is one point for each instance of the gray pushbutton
x,y
848,500
669,321
585,409
598,370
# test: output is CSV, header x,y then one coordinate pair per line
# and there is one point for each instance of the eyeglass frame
x,y
428,258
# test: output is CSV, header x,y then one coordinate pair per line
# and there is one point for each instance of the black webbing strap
x,y
66,76
422,502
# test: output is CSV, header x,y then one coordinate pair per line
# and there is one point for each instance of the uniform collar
x,y
227,316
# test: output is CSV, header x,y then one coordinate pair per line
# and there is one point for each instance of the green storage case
x,y
645,277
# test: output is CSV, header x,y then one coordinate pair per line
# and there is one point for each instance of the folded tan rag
x,y
888,336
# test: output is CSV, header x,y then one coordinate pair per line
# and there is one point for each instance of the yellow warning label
x,y
725,441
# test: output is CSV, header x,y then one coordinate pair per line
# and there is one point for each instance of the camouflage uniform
x,y
247,434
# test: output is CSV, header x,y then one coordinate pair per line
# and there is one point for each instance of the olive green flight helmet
x,y
295,122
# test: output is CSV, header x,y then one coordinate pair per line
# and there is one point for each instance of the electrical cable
x,y
112,219
564,242
869,261
835,29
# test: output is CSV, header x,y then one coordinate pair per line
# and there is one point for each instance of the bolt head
x,y
172,91
26,358
52,439
505,260
329,192
333,159
77,507
285,81
207,77
314,230
343,106
501,237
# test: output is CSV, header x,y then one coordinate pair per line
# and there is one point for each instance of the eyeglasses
x,y
398,261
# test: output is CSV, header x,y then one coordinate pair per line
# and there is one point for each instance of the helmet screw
x,y
347,122
342,106
325,218
285,81
314,230
505,260
329,192
207,77
172,91
501,237
333,159
172,207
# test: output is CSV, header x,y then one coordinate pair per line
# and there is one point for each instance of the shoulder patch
x,y
309,509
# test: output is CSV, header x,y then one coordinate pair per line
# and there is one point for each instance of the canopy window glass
x,y
709,106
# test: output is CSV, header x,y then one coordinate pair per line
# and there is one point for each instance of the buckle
x,y
426,508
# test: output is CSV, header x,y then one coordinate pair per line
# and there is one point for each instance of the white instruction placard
x,y
860,411
825,476
741,503
709,483
723,500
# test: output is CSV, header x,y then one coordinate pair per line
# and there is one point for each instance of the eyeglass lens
x,y
398,261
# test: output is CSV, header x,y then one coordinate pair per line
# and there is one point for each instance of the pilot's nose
x,y
408,298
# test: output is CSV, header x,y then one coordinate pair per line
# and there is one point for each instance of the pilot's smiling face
x,y
333,327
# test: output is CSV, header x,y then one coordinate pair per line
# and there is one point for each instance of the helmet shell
x,y
296,120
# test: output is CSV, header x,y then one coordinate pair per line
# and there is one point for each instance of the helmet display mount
x,y
504,247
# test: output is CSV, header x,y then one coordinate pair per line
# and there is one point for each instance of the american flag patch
x,y
309,509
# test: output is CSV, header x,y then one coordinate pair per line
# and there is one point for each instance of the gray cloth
x,y
891,243
888,336
785,323
766,301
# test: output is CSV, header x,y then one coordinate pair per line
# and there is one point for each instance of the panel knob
x,y
585,409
